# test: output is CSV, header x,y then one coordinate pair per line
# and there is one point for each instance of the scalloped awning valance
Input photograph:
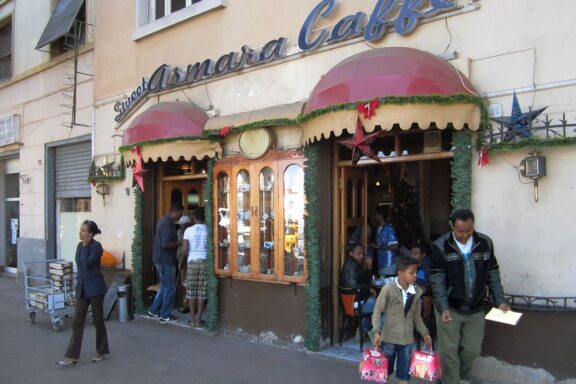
x,y
169,130
412,88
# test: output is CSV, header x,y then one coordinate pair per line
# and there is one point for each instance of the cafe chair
x,y
350,314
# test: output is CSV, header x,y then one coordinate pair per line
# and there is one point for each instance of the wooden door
x,y
353,208
188,192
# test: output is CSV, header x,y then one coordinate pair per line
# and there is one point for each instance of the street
x,y
146,352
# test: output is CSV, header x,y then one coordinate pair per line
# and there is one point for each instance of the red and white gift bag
x,y
374,366
426,365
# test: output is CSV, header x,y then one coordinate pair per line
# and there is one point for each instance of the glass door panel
x,y
243,214
223,220
294,203
266,221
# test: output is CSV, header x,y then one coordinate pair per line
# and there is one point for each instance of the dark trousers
x,y
75,344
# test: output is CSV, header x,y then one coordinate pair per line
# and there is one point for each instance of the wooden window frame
x,y
278,162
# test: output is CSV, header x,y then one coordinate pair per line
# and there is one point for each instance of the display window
x,y
259,218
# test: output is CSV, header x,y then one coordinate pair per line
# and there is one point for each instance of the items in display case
x,y
260,228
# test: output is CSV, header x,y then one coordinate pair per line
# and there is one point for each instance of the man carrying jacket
x,y
463,267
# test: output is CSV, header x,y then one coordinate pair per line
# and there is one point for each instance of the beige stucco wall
x,y
534,241
502,46
41,123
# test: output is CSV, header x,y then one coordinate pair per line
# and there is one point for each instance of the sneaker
x,y
97,358
66,362
153,315
169,319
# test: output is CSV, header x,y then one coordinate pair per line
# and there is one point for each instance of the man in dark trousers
x,y
165,248
463,267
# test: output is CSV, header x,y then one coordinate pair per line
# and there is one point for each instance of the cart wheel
x,y
57,323
32,317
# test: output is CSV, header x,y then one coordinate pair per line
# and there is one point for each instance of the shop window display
x,y
259,227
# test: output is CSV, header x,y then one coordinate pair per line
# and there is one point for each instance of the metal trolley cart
x,y
49,288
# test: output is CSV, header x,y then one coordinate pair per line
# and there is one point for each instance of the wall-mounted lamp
x,y
534,167
103,189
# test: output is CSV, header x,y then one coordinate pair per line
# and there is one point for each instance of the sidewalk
x,y
144,351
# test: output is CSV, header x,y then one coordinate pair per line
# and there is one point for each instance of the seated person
x,y
419,253
356,275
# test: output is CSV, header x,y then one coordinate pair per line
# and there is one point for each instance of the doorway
x,y
416,193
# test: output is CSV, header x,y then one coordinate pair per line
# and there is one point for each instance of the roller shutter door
x,y
72,164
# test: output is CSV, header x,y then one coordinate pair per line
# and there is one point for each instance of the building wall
x,y
35,93
531,239
499,46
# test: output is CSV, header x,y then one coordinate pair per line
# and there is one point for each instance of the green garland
x,y
125,148
137,251
400,100
215,133
312,190
388,100
532,142
212,287
461,169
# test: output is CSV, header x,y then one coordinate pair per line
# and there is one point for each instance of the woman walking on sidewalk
x,y
90,290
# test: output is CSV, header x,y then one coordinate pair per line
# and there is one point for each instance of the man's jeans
x,y
164,299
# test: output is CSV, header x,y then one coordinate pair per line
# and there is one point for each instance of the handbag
x,y
426,365
373,366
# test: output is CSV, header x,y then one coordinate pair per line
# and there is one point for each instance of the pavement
x,y
144,351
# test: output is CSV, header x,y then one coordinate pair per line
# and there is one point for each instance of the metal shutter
x,y
71,165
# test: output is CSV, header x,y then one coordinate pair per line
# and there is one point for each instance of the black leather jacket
x,y
447,275
353,276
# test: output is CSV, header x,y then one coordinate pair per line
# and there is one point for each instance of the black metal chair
x,y
348,297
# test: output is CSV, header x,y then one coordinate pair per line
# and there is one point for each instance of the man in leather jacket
x,y
356,275
463,270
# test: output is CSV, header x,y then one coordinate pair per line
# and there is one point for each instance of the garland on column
x,y
461,169
137,251
313,311
212,287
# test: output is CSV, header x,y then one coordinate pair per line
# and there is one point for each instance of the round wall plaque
x,y
254,143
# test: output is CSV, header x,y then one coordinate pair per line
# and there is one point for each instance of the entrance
x,y
415,192
188,192
11,219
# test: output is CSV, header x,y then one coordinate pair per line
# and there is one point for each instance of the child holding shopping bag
x,y
400,303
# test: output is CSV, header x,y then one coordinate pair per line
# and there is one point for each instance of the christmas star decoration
x,y
368,109
360,144
518,122
139,171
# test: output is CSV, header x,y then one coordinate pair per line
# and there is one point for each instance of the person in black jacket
x,y
356,274
90,290
463,269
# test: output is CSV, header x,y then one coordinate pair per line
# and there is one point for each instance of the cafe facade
x,y
292,124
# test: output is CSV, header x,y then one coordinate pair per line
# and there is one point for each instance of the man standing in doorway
x,y
463,266
386,244
165,248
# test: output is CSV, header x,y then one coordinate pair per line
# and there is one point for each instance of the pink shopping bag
x,y
426,365
374,366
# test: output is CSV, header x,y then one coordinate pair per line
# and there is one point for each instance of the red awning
x,y
170,120
395,71
166,120
390,72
